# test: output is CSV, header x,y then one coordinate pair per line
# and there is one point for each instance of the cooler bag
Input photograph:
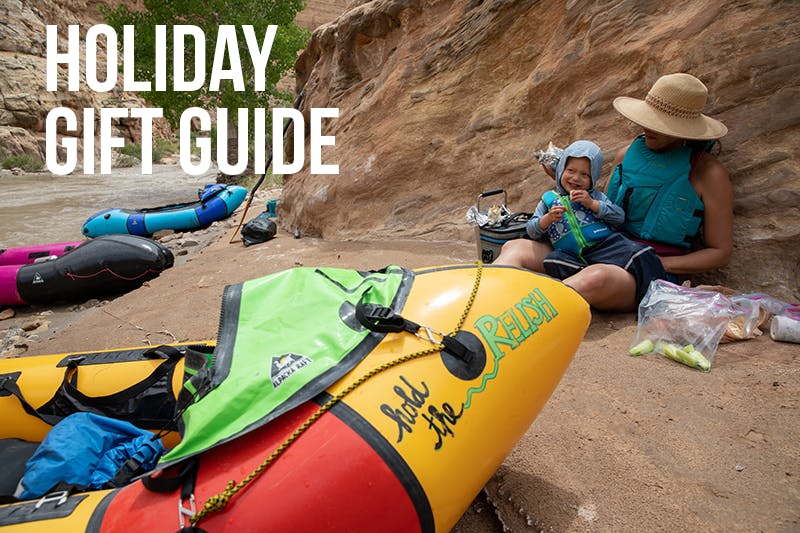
x,y
492,236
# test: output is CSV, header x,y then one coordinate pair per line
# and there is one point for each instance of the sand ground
x,y
624,444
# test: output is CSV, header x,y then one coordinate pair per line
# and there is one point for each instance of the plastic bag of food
x,y
475,217
685,324
550,156
772,305
744,325
494,215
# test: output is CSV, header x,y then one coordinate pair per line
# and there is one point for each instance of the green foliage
x,y
273,180
126,161
132,150
209,15
160,148
27,162
166,146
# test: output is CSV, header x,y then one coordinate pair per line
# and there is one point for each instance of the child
x,y
580,220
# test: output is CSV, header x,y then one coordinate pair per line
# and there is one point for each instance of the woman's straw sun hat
x,y
673,107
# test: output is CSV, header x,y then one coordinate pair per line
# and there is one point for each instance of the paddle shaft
x,y
289,122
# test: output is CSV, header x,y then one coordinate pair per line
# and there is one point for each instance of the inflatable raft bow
x,y
334,400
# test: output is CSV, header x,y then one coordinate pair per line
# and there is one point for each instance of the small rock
x,y
739,468
188,243
5,314
587,512
30,326
41,327
755,436
14,352
19,342
13,332
164,235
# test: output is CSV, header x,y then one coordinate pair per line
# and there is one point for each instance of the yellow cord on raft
x,y
218,502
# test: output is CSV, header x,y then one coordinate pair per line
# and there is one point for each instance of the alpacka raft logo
x,y
283,366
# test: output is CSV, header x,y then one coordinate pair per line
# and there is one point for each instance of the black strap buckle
x,y
382,319
126,472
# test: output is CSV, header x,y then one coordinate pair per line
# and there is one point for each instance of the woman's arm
x,y
714,187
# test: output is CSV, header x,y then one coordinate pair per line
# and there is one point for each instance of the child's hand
x,y
583,198
555,214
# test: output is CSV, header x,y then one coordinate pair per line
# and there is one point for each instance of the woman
x,y
671,189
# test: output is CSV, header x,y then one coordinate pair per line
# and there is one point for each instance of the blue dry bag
x,y
91,451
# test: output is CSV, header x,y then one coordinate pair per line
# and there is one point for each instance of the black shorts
x,y
616,249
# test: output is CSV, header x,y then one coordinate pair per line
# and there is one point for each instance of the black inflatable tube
x,y
104,266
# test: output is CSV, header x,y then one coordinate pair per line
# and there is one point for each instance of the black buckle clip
x,y
382,319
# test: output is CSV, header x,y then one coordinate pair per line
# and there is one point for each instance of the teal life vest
x,y
578,228
654,190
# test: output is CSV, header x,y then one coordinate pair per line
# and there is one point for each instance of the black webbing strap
x,y
67,398
127,471
70,384
185,479
9,386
